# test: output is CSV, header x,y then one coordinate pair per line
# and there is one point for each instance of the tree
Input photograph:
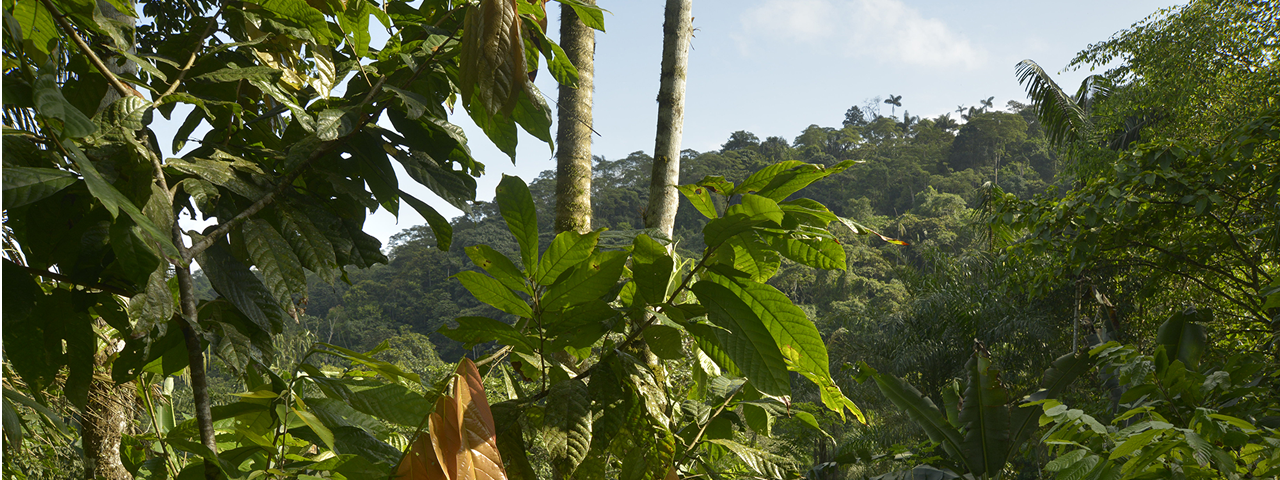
x,y
677,32
286,173
573,160
854,117
896,101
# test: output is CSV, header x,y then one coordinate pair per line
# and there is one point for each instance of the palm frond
x,y
1065,118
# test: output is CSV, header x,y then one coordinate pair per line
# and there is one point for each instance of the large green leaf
x,y
651,269
313,249
50,103
761,178
510,439
815,251
499,266
754,258
477,330
235,74
302,13
700,198
920,408
516,204
491,291
765,464
745,338
236,283
588,281
1183,337
651,458
567,427
1065,370
373,163
137,259
787,324
719,230
985,415
798,177
440,226
275,259
392,402
24,185
567,250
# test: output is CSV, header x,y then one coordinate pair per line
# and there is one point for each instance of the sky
x,y
774,67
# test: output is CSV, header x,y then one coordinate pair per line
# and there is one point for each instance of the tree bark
x,y
106,419
573,134
677,30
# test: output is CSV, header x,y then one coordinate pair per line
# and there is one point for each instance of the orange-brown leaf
x,y
479,437
446,436
420,463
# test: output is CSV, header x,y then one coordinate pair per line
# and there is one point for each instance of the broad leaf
x,y
745,338
499,266
440,226
567,428
516,204
588,281
985,417
490,291
477,330
920,408
274,257
23,185
567,250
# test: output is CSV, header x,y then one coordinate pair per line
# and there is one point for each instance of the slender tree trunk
x,y
573,159
677,30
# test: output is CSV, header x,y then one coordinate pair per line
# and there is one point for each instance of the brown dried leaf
x,y
445,436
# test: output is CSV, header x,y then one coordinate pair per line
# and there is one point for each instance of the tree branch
x,y
191,60
124,90
65,279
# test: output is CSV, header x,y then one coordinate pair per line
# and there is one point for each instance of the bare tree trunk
x,y
573,159
677,30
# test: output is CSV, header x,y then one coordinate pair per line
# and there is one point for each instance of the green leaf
x,y
591,15
236,74
761,422
236,283
510,439
516,204
392,402
114,201
985,417
665,342
1182,336
335,123
754,258
499,266
1061,373
763,463
476,330
534,115
718,231
154,306
300,12
759,207
491,291
787,324
700,198
415,105
566,251
798,177
557,61
313,249
652,268
920,408
316,426
1133,443
817,252
745,339
652,458
37,24
587,281
275,259
440,226
761,178
24,185
50,103
567,427
708,341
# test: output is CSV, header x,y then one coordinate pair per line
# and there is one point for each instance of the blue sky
x,y
773,67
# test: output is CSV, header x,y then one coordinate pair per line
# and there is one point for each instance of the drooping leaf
x,y
745,338
274,257
651,269
567,428
985,417
492,72
23,185
798,177
50,103
313,249
1183,337
920,408
478,434
440,226
236,283
763,463
114,201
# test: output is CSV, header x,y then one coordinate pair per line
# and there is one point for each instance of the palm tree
x,y
1066,118
896,101
988,103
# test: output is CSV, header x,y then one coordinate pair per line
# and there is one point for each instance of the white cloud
x,y
886,30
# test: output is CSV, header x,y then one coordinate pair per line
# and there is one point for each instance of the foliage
x,y
1180,418
595,348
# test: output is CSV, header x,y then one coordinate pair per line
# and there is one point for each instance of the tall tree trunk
x,y
677,30
573,159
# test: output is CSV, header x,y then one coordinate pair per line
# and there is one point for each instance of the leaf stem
x,y
124,90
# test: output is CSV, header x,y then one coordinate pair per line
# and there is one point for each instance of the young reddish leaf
x,y
478,458
420,462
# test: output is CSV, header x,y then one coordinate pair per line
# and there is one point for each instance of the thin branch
x,y
191,60
65,279
124,90
702,430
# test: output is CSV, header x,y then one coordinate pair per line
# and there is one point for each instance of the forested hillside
x,y
919,180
